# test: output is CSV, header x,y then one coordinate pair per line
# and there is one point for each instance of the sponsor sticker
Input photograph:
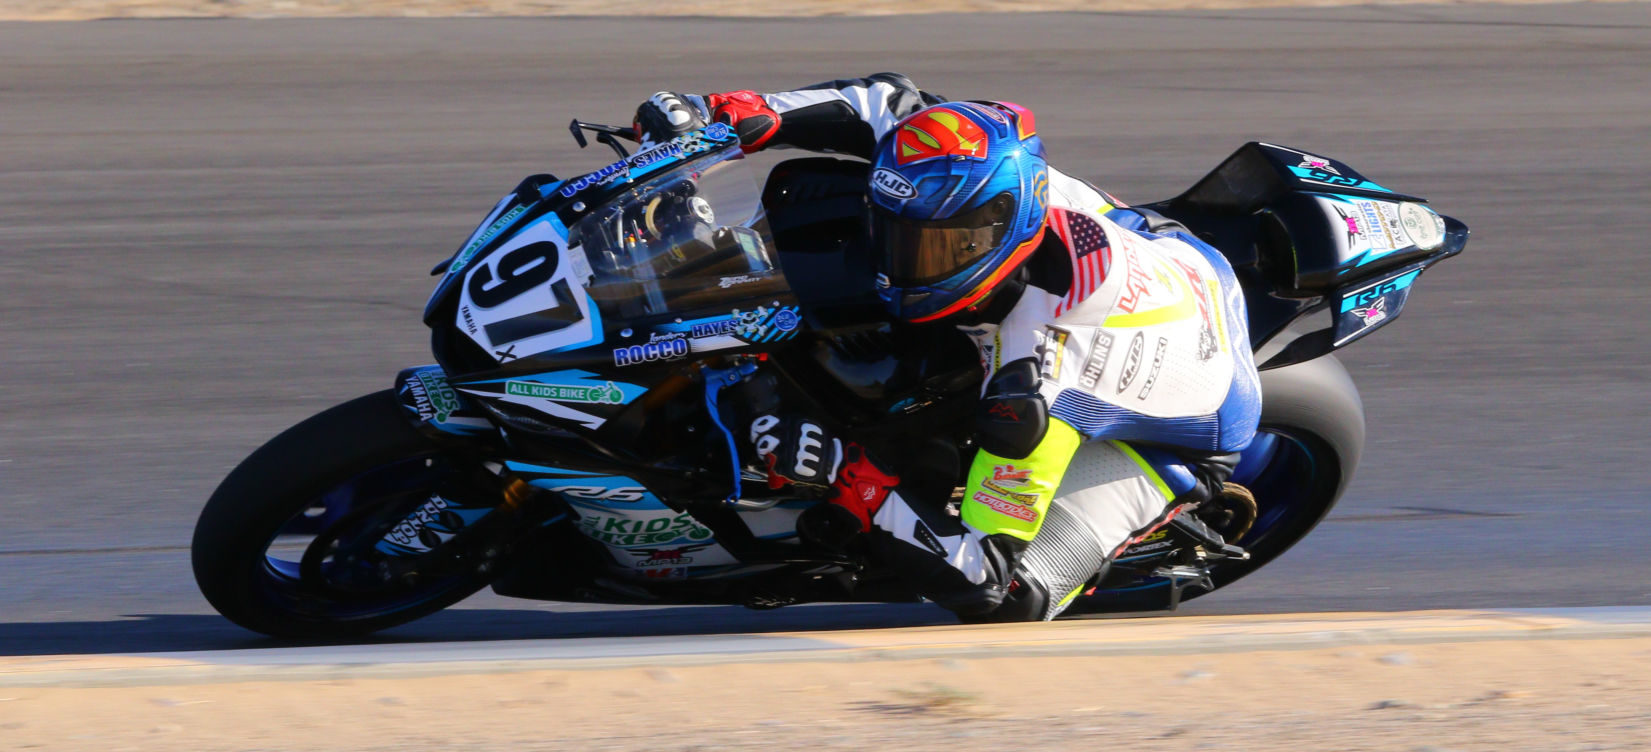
x,y
598,394
669,150
1137,284
1157,363
1350,225
666,557
1424,227
1132,362
1011,475
1310,162
1099,351
1019,497
602,493
1054,352
601,176
718,328
1372,314
1368,296
493,230
409,532
728,282
719,131
1006,507
1381,232
764,324
671,348
436,399
653,531
892,184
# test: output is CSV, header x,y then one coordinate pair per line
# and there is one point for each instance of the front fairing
x,y
558,267
573,299
527,197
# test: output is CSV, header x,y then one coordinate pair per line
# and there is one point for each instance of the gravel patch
x,y
1502,697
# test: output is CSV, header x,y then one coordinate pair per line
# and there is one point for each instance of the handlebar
x,y
605,134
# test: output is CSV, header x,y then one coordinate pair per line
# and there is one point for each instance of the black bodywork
x,y
906,389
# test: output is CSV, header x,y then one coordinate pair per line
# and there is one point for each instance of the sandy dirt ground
x,y
1549,695
76,10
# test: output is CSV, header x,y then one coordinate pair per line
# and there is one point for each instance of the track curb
x,y
1080,638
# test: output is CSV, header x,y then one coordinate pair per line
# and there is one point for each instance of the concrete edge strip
x,y
256,10
1489,627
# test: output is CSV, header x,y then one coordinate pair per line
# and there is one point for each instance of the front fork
x,y
474,527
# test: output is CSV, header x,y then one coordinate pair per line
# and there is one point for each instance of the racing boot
x,y
931,552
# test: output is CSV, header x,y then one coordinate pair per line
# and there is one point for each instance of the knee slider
x,y
1012,418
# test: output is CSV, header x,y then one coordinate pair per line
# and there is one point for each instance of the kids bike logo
x,y
598,394
434,399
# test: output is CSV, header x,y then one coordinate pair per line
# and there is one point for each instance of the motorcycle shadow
x,y
164,633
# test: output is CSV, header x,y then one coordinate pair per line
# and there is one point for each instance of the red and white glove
x,y
667,115
748,114
802,452
861,485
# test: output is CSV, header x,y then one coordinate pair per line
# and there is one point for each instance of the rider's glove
x,y
749,115
667,115
862,485
796,450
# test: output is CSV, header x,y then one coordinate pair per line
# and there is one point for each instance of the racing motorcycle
x,y
567,444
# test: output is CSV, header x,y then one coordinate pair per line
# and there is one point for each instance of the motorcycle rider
x,y
1119,382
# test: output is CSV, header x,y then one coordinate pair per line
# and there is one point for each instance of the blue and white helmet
x,y
959,194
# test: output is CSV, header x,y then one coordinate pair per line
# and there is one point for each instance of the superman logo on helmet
x,y
959,192
939,132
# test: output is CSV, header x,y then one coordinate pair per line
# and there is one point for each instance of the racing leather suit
x,y
1128,331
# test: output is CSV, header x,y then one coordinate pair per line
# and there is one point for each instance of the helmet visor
x,y
915,253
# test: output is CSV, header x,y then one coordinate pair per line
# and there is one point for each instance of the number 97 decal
x,y
523,299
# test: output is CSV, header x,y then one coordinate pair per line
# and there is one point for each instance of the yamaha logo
x,y
891,183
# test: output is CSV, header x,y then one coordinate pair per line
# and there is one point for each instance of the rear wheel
x,y
1304,454
293,542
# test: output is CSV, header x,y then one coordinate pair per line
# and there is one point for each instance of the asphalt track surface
x,y
212,229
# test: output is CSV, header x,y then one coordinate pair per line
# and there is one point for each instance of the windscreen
x,y
684,240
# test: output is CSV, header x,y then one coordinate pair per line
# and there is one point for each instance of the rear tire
x,y
1312,416
268,494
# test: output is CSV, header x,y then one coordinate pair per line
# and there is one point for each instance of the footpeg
x,y
1197,533
1199,546
1182,576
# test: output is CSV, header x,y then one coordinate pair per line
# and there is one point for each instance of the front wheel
x,y
309,536
1303,455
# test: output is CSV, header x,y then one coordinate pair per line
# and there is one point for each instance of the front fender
x,y
435,407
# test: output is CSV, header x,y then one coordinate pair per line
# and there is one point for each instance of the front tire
x,y
361,463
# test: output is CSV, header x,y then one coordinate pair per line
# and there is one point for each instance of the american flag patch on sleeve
x,y
1091,255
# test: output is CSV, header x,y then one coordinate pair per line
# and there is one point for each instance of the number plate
x,y
528,297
